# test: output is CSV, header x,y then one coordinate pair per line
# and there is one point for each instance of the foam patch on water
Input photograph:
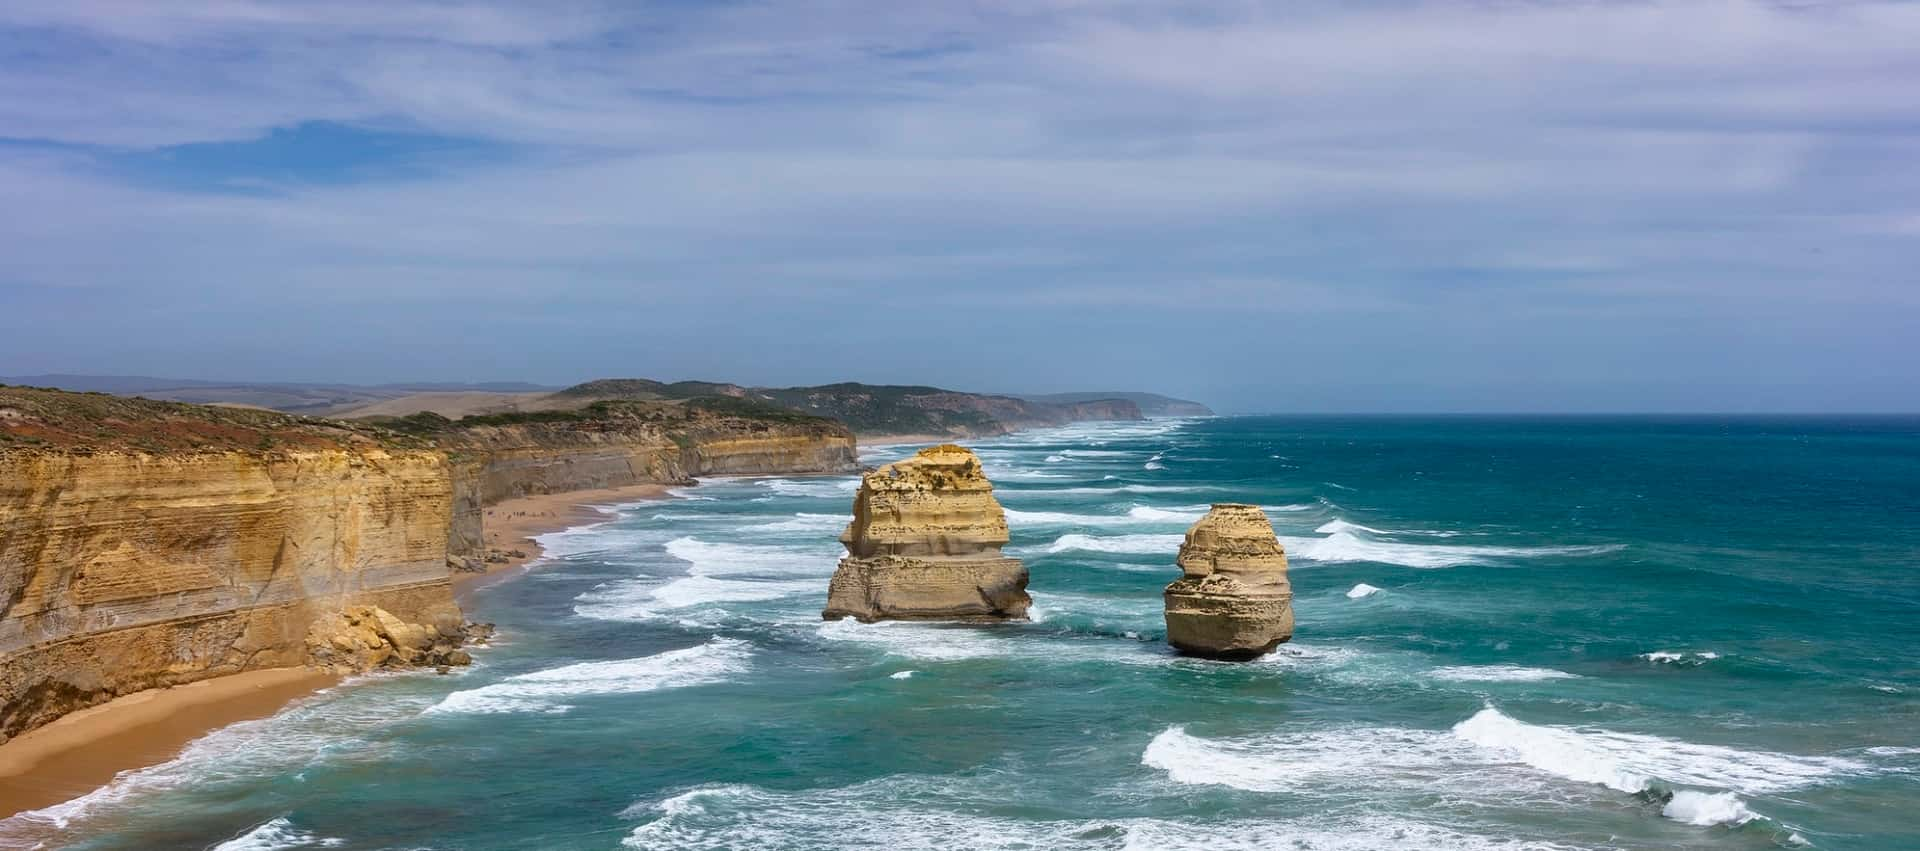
x,y
836,488
723,559
1707,809
1342,547
1290,762
1361,590
1125,544
913,640
803,522
1150,514
915,814
1680,657
277,835
549,690
902,675
1629,762
1497,674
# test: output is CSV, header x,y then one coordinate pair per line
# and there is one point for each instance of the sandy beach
x,y
509,527
85,750
82,751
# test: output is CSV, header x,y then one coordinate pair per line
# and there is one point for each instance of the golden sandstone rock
x,y
1233,601
925,544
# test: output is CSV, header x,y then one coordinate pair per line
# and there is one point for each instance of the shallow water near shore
x,y
1635,633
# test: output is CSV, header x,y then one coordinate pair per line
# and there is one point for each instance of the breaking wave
x,y
912,813
1497,674
277,835
1346,546
1128,544
549,690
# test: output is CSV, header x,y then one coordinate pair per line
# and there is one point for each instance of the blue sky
x,y
1505,206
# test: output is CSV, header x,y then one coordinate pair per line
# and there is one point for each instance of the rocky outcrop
x,y
362,638
1232,600
925,544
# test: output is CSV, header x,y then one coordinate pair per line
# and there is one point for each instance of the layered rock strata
x,y
1233,600
925,544
147,544
124,571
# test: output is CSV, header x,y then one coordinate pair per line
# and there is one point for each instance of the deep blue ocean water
x,y
1587,633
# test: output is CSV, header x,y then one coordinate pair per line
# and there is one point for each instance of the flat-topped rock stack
x,y
925,544
1233,600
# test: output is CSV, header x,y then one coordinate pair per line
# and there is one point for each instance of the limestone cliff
x,y
925,544
1233,600
125,570
147,544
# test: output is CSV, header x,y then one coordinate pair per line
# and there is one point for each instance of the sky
x,y
1291,206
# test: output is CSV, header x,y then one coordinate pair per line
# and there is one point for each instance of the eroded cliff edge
x,y
924,544
147,544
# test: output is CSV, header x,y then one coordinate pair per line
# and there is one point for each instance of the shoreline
x,y
510,526
85,750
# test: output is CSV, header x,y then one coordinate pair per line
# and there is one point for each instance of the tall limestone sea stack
x,y
1233,601
925,544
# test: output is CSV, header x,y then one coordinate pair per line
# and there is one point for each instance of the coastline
x,y
85,750
511,525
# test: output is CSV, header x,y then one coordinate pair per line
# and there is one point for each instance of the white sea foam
x,y
688,494
912,813
902,675
1337,525
1150,514
1115,489
1138,515
1631,762
1056,459
802,522
332,725
1707,809
1133,544
1343,547
1286,762
1680,657
276,835
1362,590
913,640
706,558
1497,674
549,690
813,488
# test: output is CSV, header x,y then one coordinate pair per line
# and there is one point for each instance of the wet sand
x,y
84,750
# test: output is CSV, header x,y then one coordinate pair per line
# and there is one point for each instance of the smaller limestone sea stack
x,y
1233,601
925,544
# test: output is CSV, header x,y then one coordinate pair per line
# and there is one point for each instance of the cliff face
x,y
493,463
147,544
1233,600
925,544
122,571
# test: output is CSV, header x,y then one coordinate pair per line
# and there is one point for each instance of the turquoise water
x,y
1587,633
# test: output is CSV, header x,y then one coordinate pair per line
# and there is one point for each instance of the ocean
x,y
1513,633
